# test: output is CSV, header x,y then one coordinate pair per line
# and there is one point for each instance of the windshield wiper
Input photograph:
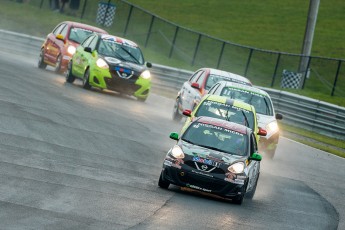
x,y
132,56
246,119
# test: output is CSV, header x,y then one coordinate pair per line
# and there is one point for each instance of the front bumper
x,y
136,86
191,178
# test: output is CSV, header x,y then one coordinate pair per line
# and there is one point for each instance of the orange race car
x,y
61,44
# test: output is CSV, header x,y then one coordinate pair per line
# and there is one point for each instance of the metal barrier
x,y
299,111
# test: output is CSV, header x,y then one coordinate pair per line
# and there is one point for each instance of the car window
x,y
93,43
227,112
120,50
213,89
261,103
64,30
86,43
253,146
195,76
217,138
213,79
79,34
201,78
57,30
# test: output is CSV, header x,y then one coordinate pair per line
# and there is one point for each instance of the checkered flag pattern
x,y
105,14
290,79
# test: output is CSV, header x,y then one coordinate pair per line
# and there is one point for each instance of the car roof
x,y
224,124
244,87
226,100
86,26
118,40
229,75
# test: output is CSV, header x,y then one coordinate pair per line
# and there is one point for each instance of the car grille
x,y
212,169
122,84
204,182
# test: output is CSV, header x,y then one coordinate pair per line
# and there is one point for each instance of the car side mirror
x,y
149,64
187,112
279,116
174,136
255,157
60,37
262,132
195,85
88,49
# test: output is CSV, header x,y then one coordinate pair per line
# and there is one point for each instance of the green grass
x,y
331,145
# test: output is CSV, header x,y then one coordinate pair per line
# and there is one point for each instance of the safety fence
x,y
264,68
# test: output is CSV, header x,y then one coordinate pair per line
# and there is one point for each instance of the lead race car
x,y
109,62
214,156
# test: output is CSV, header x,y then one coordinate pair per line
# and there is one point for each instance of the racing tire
x,y
251,194
57,68
176,116
238,200
86,84
162,183
41,64
69,76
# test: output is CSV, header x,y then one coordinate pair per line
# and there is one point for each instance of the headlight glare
x,y
102,64
71,49
146,74
272,127
236,168
177,152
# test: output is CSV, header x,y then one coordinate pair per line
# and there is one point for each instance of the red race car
x,y
61,44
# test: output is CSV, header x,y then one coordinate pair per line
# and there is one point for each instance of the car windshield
x,y
217,138
121,50
79,34
227,112
213,79
261,103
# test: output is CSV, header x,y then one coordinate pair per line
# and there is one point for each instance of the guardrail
x,y
299,111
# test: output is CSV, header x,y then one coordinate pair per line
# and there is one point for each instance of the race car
x,y
227,109
60,45
267,118
214,156
113,63
198,85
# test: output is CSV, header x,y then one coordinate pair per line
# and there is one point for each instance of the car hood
x,y
112,62
264,120
195,150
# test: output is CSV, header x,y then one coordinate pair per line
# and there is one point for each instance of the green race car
x,y
113,63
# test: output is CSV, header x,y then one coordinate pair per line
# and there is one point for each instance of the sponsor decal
x,y
198,188
196,126
167,163
206,162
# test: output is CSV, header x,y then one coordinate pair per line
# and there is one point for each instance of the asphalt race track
x,y
77,159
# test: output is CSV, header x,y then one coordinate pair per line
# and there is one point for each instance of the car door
x,y
79,57
87,58
189,93
52,48
253,166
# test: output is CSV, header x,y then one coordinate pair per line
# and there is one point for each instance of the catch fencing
x,y
195,50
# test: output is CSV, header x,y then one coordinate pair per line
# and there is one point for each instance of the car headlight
x,y
146,74
102,64
71,50
177,152
236,168
272,127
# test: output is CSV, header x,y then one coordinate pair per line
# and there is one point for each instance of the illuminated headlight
x,y
177,152
236,168
102,64
272,127
71,50
146,74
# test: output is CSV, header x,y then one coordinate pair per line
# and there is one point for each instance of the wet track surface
x,y
77,159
